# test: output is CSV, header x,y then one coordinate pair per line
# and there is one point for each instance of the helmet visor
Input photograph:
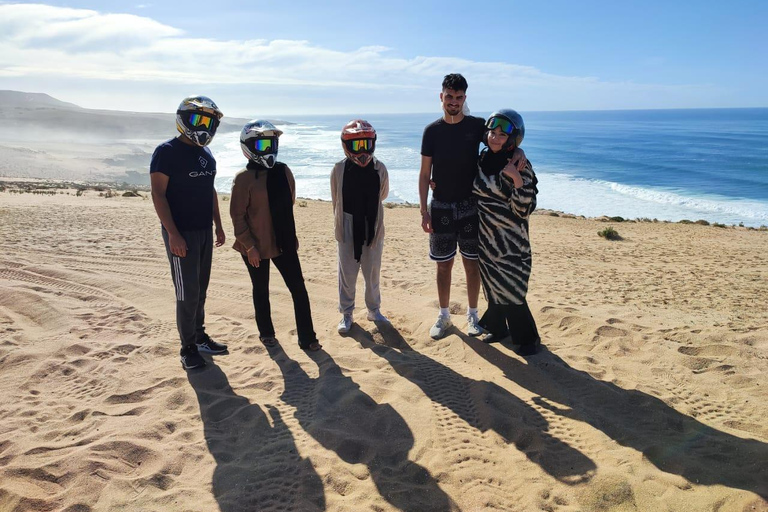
x,y
201,120
263,146
360,145
500,122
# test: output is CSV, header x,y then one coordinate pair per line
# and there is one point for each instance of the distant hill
x,y
33,115
31,99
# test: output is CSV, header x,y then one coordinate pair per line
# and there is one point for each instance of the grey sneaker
x,y
345,324
473,325
376,316
438,330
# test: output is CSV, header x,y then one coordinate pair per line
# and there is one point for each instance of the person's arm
x,y
220,236
518,162
384,186
334,180
522,198
238,210
176,242
424,177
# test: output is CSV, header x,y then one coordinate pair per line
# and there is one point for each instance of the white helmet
x,y
258,140
197,118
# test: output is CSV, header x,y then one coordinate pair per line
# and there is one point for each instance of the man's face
x,y
453,101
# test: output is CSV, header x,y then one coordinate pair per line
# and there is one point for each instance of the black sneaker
x,y
208,346
191,358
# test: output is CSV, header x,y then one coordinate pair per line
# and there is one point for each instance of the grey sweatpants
x,y
191,275
370,262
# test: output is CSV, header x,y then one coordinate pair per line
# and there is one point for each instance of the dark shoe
x,y
208,346
191,358
312,346
268,341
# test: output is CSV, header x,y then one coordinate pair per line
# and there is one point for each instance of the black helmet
x,y
510,122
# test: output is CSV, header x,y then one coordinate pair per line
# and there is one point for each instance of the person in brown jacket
x,y
261,208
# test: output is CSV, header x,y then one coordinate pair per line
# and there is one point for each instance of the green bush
x,y
702,222
609,234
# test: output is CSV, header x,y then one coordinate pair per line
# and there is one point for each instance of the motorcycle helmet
x,y
510,123
198,118
359,141
258,140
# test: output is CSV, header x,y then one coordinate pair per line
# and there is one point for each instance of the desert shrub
x,y
702,222
301,204
718,225
79,192
686,221
553,214
609,233
616,219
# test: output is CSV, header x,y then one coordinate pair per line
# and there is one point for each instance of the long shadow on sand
x,y
338,415
672,441
483,405
257,464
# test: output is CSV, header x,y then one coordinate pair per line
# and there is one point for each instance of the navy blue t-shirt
x,y
454,149
191,171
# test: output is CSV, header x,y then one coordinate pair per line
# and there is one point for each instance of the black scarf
x,y
362,185
280,205
492,163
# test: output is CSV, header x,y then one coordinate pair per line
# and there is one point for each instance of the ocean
x,y
709,164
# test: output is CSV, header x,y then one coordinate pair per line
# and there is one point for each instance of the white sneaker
x,y
376,316
438,330
473,325
345,324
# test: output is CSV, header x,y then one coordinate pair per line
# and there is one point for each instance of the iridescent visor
x,y
499,122
360,145
201,120
263,145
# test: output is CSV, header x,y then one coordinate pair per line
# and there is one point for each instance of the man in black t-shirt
x,y
449,152
182,173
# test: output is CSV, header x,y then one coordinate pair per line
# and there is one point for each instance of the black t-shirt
x,y
191,170
454,150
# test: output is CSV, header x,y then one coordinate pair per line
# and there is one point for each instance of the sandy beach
x,y
649,393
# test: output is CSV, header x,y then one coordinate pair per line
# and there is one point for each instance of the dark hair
x,y
455,82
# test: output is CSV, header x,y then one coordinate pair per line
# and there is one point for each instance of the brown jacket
x,y
249,209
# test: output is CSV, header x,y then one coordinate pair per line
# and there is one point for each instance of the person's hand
x,y
253,257
511,172
432,185
178,245
426,222
220,237
519,159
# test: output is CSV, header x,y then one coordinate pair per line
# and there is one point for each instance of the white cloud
x,y
40,41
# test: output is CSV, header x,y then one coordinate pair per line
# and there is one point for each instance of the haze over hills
x,y
43,137
33,111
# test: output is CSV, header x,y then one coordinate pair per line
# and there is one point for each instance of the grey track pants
x,y
370,262
191,275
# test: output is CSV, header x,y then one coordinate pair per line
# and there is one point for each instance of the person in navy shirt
x,y
182,173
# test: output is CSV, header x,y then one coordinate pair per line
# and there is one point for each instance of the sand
x,y
649,393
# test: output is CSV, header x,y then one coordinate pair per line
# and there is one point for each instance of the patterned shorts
x,y
452,224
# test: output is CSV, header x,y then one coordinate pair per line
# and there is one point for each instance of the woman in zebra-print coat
x,y
505,199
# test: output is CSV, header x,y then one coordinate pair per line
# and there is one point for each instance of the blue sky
x,y
301,57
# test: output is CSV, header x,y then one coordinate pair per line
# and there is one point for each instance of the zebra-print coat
x,y
505,248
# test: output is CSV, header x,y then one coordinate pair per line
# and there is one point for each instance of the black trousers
x,y
191,275
289,267
513,319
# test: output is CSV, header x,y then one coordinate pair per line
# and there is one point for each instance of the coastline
x,y
648,395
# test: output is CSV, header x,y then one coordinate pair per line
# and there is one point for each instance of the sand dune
x,y
649,395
